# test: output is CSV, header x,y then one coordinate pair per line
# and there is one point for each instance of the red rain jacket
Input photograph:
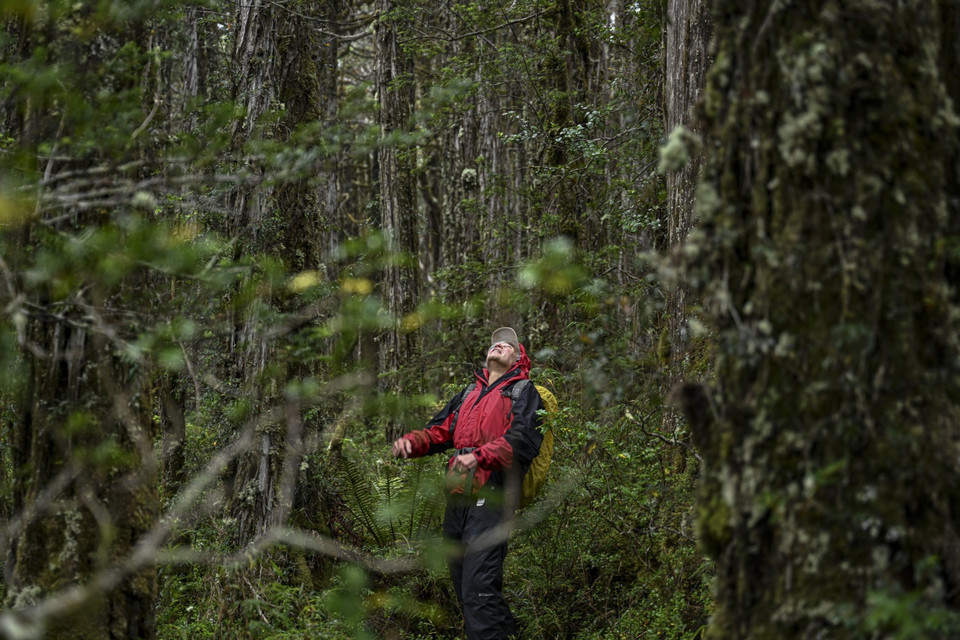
x,y
502,434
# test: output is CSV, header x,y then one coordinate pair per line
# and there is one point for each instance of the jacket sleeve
x,y
521,442
437,437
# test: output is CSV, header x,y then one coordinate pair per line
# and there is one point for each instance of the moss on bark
x,y
829,496
84,420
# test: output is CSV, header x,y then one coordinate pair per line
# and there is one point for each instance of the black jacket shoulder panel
x,y
524,433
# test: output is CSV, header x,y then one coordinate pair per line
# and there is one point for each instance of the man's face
x,y
501,353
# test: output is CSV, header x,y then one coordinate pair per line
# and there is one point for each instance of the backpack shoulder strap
x,y
517,389
546,396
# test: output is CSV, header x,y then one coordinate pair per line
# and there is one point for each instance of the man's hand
x,y
465,462
402,448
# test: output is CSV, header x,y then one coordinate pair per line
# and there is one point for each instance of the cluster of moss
x,y
832,415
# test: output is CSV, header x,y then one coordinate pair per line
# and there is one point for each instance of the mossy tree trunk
x,y
84,482
257,64
686,36
565,62
84,426
826,262
284,58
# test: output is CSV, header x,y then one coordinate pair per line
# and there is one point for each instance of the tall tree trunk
x,y
255,60
566,66
829,497
687,34
307,90
302,75
256,63
84,490
399,346
174,431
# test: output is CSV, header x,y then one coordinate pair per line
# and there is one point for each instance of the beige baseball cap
x,y
508,335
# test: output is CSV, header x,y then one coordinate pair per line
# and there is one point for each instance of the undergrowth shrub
x,y
608,551
616,557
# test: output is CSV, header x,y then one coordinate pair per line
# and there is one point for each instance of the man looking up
x,y
495,432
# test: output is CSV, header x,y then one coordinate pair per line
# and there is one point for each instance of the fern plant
x,y
391,502
360,498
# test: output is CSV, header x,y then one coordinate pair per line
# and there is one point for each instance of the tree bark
x,y
73,407
302,75
687,35
174,433
84,490
565,66
829,494
399,347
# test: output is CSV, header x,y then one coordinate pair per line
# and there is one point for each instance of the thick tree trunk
x,y
302,75
687,35
255,61
829,497
304,80
302,93
84,489
565,65
75,408
174,432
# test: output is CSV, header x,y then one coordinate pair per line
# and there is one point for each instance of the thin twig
x,y
670,441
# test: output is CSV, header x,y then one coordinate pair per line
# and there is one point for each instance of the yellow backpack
x,y
536,475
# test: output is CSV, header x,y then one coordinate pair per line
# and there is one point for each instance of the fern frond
x,y
388,486
361,500
391,502
424,497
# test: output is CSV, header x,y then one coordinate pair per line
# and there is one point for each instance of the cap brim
x,y
504,334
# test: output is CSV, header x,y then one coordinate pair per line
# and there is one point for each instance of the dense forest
x,y
245,244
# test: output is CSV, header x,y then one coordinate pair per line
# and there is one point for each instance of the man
x,y
495,437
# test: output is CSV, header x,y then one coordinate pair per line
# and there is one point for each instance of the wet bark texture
x,y
687,38
826,261
256,57
84,486
174,433
300,73
566,63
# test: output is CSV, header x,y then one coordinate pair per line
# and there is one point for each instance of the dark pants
x,y
477,570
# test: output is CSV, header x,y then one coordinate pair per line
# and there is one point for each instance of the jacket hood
x,y
524,361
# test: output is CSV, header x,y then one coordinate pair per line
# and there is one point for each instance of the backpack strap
x,y
517,389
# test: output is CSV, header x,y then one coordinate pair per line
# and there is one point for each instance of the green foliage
x,y
611,553
237,605
168,236
391,503
911,616
616,556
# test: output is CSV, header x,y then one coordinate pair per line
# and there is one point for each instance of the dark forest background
x,y
245,244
